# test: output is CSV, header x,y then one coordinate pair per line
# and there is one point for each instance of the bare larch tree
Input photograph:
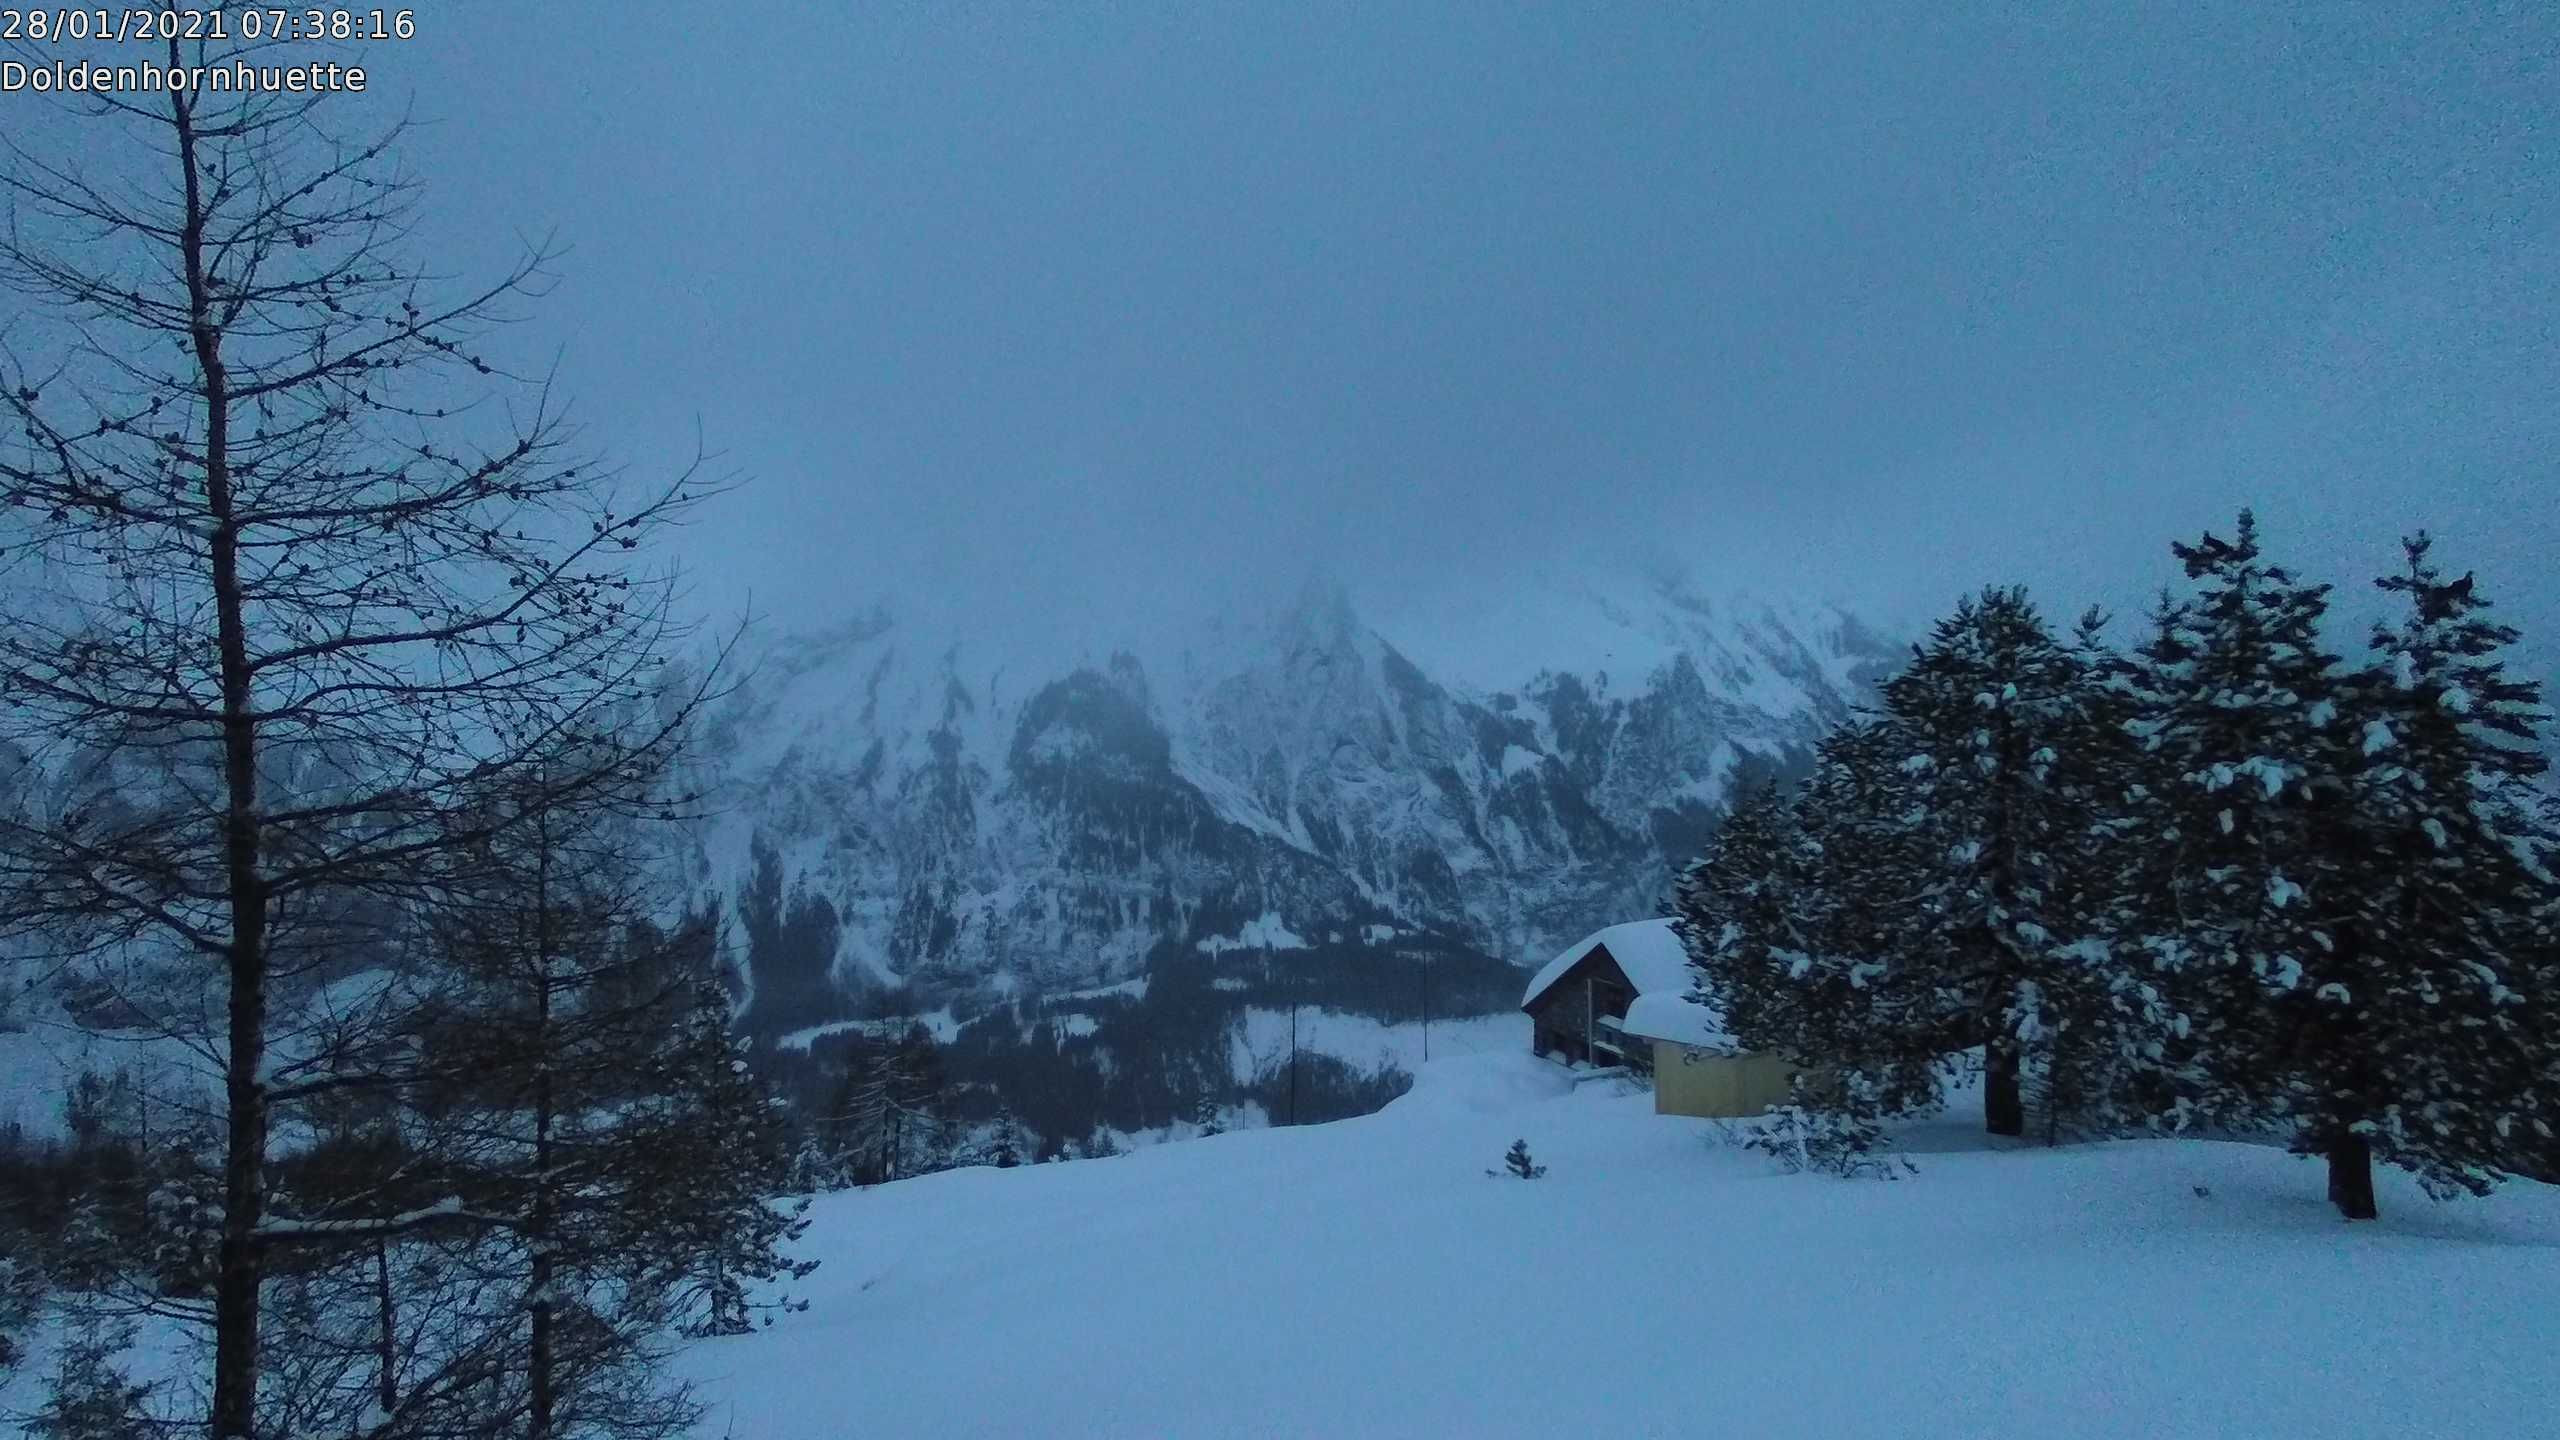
x,y
292,563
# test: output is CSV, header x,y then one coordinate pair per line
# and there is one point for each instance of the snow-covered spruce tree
x,y
1784,915
293,564
1725,906
2107,1024
1859,886
2145,859
1981,715
2423,1043
1007,1145
2246,717
1749,911
1952,875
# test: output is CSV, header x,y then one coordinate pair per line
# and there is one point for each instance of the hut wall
x,y
1724,1087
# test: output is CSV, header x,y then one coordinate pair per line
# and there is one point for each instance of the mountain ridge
x,y
915,818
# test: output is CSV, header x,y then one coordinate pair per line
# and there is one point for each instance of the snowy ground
x,y
1367,1278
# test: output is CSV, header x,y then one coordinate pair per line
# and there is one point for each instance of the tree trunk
x,y
2351,1176
387,1383
541,1398
541,1402
240,1268
240,1265
2004,1112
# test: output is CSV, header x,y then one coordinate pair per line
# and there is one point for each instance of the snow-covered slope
x,y
1367,1278
915,807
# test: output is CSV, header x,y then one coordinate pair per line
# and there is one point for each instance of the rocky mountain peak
x,y
914,818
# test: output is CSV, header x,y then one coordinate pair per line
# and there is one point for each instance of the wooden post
x,y
1293,1055
1426,1010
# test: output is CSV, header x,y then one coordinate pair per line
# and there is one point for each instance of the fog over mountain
x,y
1139,315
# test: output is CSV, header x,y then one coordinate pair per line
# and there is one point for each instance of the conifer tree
x,y
2107,1024
720,1143
2422,1044
619,1160
1801,1003
1980,715
859,1115
1747,912
1791,917
885,1120
1949,877
1006,1144
2259,746
1724,909
2240,710
1517,1161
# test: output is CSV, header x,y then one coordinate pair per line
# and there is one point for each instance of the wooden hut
x,y
1620,997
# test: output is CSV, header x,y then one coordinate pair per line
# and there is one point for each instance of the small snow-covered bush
x,y
1517,1161
1828,1141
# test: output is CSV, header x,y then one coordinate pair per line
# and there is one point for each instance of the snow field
x,y
1367,1278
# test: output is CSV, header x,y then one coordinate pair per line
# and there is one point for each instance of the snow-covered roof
x,y
1681,1021
1653,957
1658,965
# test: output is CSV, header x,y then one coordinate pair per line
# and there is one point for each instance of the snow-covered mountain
x,y
951,817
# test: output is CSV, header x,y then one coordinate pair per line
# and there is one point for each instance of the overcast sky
x,y
1124,307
